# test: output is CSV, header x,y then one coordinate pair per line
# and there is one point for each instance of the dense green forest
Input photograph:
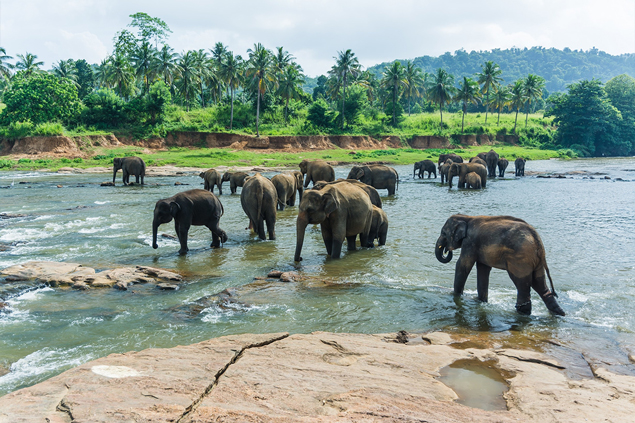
x,y
145,89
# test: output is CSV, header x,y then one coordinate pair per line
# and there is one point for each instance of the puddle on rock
x,y
477,384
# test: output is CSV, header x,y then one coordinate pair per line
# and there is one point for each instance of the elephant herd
x,y
348,208
473,174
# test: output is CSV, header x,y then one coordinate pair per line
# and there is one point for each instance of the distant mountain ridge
x,y
559,67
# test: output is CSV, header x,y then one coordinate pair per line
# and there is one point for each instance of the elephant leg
x,y
383,234
539,284
291,201
463,268
181,230
232,187
217,234
482,281
523,287
220,188
350,242
391,189
126,178
136,177
142,176
271,225
336,250
328,241
260,228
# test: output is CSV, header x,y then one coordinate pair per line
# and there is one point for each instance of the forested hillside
x,y
558,67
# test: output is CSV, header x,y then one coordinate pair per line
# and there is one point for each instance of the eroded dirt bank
x,y
318,377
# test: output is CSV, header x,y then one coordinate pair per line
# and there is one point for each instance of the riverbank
x,y
326,377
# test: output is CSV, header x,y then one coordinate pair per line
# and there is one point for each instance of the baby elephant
x,y
236,179
378,227
212,177
194,207
473,180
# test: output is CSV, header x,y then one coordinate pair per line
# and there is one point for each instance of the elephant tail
x,y
541,249
553,290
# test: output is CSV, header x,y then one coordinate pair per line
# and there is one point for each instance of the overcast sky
x,y
315,30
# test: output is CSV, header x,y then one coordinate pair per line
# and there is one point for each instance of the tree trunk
x,y
463,117
441,111
516,120
286,111
231,114
258,111
486,105
343,99
499,118
527,116
394,106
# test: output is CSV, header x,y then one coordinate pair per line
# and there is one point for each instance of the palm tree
x,y
368,81
188,76
5,68
394,79
346,65
441,90
489,79
414,82
165,65
120,75
101,72
500,100
143,60
281,60
206,74
468,93
66,69
28,64
517,98
231,71
260,72
533,86
289,84
219,53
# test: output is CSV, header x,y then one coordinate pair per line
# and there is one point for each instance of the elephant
x,y
462,169
236,179
425,166
378,227
503,242
502,165
520,166
452,156
194,207
130,166
259,199
482,156
478,160
317,170
473,180
492,161
343,210
377,176
372,192
212,177
444,169
287,185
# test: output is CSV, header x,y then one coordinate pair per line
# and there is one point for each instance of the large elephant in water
x,y
520,166
375,199
194,207
492,161
462,169
503,242
425,166
211,178
377,176
129,166
287,185
236,179
502,165
342,210
317,170
259,199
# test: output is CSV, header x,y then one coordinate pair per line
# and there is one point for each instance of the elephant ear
x,y
174,208
359,174
331,202
460,232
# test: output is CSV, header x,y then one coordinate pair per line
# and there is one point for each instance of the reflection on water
x,y
477,384
400,286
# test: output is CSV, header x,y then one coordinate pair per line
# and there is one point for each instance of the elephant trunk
x,y
441,249
155,228
301,224
114,174
450,177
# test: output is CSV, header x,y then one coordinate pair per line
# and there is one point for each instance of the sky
x,y
314,31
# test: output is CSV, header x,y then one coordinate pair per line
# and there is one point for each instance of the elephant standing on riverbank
x,y
377,176
194,207
317,170
503,242
287,185
425,166
375,199
236,179
343,211
259,200
492,161
462,169
211,178
129,166
520,166
473,180
502,165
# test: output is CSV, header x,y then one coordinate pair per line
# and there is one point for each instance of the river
x,y
587,226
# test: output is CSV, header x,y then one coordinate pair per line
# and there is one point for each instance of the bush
x,y
104,109
319,114
17,130
48,129
6,164
78,160
65,160
21,161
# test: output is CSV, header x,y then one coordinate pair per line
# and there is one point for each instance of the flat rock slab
x,y
318,377
81,277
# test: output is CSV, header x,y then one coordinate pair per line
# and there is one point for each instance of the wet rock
x,y
122,285
607,177
60,186
168,236
160,273
591,177
23,182
288,277
3,305
167,286
82,286
107,184
402,337
11,215
631,357
619,179
275,274
180,183
437,338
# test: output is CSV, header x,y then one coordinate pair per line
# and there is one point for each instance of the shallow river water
x,y
587,226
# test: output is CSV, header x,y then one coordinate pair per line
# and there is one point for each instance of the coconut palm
x,y
346,66
414,82
500,101
188,76
219,53
259,69
121,75
489,79
231,71
28,63
394,80
517,98
368,81
441,90
467,93
281,60
206,73
101,73
289,86
143,61
5,68
533,86
165,65
66,69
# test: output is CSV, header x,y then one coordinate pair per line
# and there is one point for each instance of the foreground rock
x,y
319,377
80,277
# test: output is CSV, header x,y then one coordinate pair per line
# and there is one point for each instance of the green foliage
x,y
65,160
39,98
320,114
48,129
157,102
104,109
16,130
25,161
6,164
